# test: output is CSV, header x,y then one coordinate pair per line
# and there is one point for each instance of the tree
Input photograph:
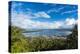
x,y
72,39
18,42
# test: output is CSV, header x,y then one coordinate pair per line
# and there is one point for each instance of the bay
x,y
48,32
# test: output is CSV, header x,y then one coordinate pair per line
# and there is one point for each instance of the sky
x,y
32,15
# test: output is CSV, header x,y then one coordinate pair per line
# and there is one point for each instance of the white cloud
x,y
55,10
30,15
29,12
70,21
28,9
24,21
42,14
51,10
58,23
15,5
71,11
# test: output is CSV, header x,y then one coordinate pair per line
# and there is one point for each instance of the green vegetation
x,y
20,43
72,39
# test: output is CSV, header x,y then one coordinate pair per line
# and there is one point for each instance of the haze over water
x,y
48,32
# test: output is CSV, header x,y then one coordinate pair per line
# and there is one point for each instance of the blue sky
x,y
43,15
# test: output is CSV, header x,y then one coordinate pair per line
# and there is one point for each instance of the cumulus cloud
x,y
25,21
69,23
23,18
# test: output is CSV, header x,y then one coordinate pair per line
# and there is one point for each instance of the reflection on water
x,y
48,33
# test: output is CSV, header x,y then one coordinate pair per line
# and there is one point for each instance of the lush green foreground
x,y
20,43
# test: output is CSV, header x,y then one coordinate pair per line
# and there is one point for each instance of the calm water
x,y
48,32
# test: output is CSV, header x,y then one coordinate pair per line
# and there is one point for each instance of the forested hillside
x,y
20,43
72,39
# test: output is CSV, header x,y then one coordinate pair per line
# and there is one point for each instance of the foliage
x,y
20,43
72,39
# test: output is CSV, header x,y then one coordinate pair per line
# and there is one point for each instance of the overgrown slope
x,y
20,43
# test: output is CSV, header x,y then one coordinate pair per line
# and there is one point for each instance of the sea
x,y
48,32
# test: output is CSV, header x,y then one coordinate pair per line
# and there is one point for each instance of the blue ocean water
x,y
48,32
